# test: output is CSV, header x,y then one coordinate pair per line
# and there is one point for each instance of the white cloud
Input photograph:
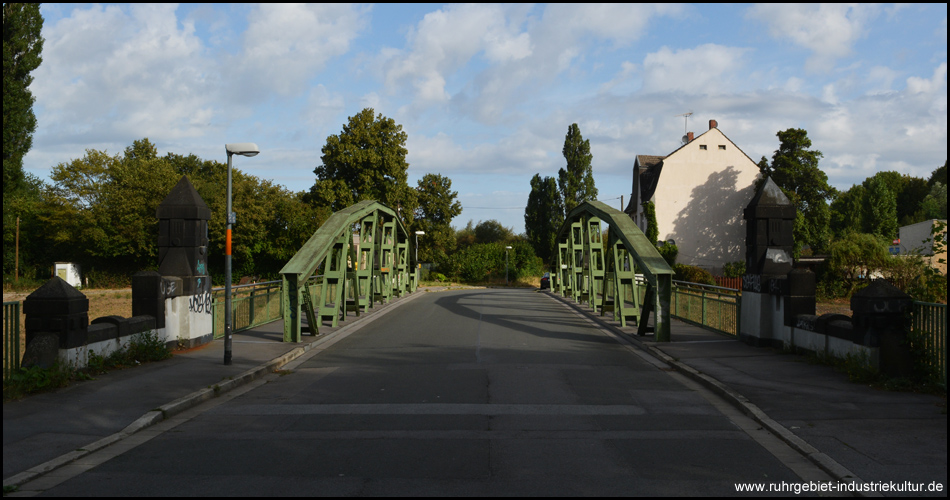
x,y
126,73
705,69
828,30
285,44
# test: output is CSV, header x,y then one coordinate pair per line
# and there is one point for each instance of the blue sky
x,y
486,93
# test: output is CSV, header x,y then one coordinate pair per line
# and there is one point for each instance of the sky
x,y
486,93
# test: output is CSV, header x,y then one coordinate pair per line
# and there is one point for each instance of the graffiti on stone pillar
x,y
200,302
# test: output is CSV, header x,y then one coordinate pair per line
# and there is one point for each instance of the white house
x,y
699,192
916,238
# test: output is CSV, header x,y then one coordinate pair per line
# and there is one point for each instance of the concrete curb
x,y
823,461
194,399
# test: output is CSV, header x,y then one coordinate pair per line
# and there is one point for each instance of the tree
x,y
22,49
881,215
795,170
576,182
366,161
438,205
543,216
938,175
847,211
22,46
934,205
491,231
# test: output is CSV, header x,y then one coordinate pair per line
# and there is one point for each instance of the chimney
x,y
689,137
713,124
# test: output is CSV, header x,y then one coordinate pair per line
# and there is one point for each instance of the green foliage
x,y
100,212
855,257
22,53
881,214
576,182
543,216
438,205
366,161
734,269
669,252
934,205
917,274
938,175
485,262
491,231
692,274
795,170
653,232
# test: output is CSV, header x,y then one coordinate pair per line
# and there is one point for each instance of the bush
x,y
669,251
692,274
734,269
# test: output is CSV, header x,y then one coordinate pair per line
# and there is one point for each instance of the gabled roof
x,y
650,167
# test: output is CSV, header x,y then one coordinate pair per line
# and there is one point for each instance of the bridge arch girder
x,y
586,268
371,267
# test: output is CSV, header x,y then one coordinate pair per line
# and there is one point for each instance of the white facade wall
x,y
700,197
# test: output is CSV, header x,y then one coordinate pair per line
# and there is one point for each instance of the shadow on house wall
x,y
710,231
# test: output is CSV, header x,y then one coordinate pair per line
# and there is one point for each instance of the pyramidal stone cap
x,y
183,202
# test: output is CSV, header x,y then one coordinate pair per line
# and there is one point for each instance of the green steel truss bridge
x,y
605,276
371,264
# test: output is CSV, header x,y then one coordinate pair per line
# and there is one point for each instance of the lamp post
x,y
418,233
243,149
506,265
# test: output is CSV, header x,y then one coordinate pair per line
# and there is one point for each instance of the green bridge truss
x,y
604,275
363,254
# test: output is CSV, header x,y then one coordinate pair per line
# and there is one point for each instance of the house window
x,y
702,147
722,147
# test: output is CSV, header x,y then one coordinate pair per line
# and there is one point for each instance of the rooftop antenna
x,y
685,120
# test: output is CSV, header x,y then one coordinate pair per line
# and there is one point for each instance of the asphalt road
x,y
474,392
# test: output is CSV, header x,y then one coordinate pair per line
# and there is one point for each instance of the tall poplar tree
x,y
22,49
543,216
576,181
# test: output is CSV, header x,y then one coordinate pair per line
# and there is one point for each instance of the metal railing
x,y
714,307
251,305
254,304
12,338
929,327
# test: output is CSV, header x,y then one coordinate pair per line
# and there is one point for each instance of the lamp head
x,y
420,233
242,148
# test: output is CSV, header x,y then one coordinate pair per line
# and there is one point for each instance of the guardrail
x,y
12,338
254,304
714,307
251,305
929,327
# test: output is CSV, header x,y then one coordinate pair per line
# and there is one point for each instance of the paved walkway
x,y
853,432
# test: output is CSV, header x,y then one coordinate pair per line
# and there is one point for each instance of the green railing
x,y
251,305
930,327
12,338
713,307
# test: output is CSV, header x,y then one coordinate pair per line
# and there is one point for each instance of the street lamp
x,y
243,149
418,233
506,265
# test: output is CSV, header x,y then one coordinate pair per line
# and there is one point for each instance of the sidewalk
x,y
853,432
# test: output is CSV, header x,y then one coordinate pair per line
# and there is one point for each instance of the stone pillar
x,y
183,264
57,317
769,220
148,296
879,317
801,295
